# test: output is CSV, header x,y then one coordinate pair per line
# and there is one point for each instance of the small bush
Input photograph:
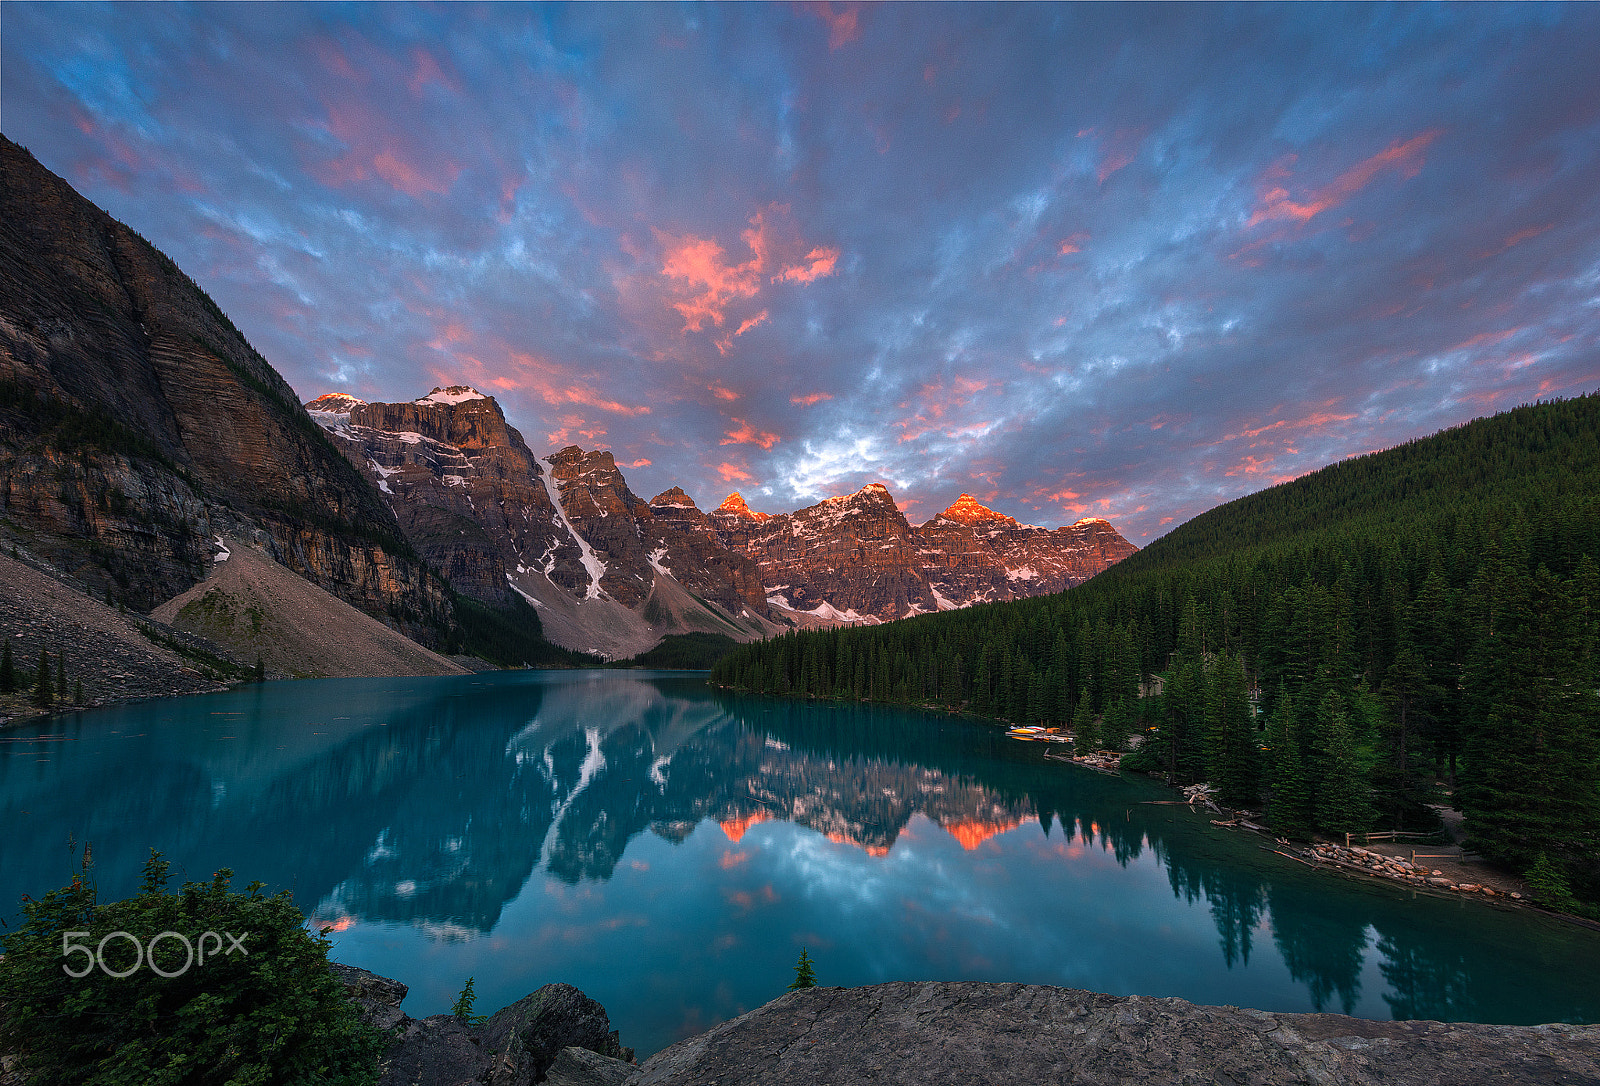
x,y
263,1010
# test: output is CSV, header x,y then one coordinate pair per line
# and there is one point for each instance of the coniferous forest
x,y
1415,626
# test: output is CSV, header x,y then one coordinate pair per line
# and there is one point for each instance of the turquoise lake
x,y
669,849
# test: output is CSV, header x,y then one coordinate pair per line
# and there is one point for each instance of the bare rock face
x,y
856,558
556,1034
1001,1034
530,1034
463,485
607,574
855,555
984,1034
682,539
612,518
973,554
136,423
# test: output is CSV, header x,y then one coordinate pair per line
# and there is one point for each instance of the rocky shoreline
x,y
972,1033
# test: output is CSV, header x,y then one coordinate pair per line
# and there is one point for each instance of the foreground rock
x,y
557,1035
973,1033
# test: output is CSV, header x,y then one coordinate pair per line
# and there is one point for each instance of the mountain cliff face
x,y
606,573
856,558
612,573
137,425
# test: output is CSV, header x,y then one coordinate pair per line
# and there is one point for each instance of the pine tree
x,y
8,671
61,676
804,975
1343,800
1083,730
41,686
462,1008
1291,805
1117,723
1233,761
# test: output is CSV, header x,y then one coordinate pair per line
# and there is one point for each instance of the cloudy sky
x,y
1100,260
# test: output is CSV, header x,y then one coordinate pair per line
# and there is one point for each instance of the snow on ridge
x,y
656,562
452,395
590,560
383,475
518,590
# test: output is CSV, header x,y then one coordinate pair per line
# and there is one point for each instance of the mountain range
x,y
143,442
611,573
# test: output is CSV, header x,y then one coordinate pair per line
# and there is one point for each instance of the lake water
x,y
669,849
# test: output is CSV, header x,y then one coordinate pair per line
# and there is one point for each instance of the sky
x,y
1102,260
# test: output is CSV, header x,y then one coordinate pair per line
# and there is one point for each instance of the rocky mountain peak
x,y
674,497
339,403
572,461
734,506
871,496
969,511
452,394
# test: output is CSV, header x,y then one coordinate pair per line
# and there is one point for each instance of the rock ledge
x,y
1019,1033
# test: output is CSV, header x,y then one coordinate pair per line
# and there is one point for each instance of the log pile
x,y
1394,867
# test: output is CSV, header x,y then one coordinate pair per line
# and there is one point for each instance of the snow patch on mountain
x,y
590,560
452,395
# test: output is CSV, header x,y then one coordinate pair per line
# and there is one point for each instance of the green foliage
x,y
269,1012
8,671
462,1008
41,681
1549,886
804,975
508,636
1457,576
207,662
695,651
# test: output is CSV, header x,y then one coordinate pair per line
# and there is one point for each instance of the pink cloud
x,y
1403,157
844,25
1516,239
725,344
730,472
706,283
425,69
578,394
821,263
642,462
746,434
723,393
751,323
811,399
375,150
712,282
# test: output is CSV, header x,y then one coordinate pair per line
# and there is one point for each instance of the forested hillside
x,y
1324,651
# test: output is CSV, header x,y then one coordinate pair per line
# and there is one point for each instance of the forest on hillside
x,y
1415,626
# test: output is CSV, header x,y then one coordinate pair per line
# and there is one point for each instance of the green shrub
x,y
258,1006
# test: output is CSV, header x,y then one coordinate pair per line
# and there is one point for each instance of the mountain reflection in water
x,y
528,827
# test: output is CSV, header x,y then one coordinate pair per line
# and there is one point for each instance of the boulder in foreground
x,y
976,1034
